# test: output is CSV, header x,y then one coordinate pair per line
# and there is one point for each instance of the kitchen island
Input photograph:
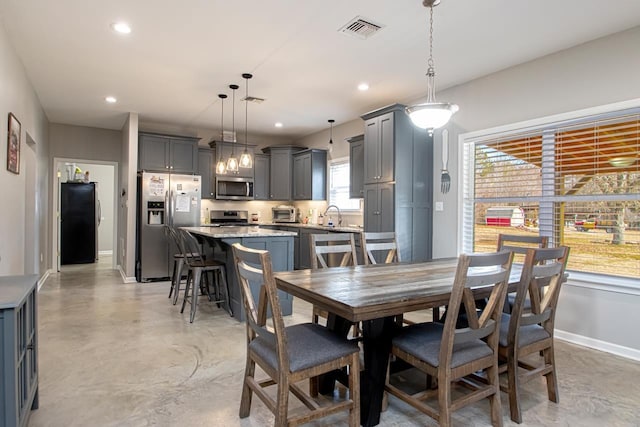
x,y
279,243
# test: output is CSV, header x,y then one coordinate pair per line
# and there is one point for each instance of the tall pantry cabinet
x,y
398,180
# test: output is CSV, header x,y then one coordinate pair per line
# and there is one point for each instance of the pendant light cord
x,y
246,112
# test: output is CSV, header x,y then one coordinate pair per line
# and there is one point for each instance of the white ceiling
x,y
180,55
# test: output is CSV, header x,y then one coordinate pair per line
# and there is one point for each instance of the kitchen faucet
x,y
339,214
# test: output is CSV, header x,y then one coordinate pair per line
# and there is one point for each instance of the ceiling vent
x,y
253,99
360,27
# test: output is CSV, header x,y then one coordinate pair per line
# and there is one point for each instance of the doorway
x,y
105,174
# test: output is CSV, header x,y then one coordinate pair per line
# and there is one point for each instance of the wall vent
x,y
253,99
361,27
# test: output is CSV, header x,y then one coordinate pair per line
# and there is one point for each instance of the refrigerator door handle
x,y
166,208
172,206
99,213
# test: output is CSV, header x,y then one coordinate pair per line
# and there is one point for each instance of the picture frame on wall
x,y
13,144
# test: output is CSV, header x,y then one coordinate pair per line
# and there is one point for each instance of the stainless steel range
x,y
229,218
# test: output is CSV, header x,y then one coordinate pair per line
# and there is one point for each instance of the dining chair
x,y
198,278
519,244
453,354
525,332
290,354
384,246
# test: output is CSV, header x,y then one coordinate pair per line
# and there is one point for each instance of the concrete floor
x,y
114,354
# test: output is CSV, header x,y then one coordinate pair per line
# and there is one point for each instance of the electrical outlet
x,y
439,206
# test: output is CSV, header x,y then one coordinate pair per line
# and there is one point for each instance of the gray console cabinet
x,y
165,153
206,167
261,180
398,180
356,167
281,178
18,349
310,175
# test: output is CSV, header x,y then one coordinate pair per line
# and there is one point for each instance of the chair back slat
x,y
190,246
542,276
254,267
323,245
385,243
476,270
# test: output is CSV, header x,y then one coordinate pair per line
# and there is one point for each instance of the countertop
x,y
14,289
342,229
233,232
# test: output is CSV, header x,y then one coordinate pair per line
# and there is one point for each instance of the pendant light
x,y
232,163
431,114
245,159
331,122
221,165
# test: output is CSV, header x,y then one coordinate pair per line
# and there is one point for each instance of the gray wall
x,y
22,192
126,251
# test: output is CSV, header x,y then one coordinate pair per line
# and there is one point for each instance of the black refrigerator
x,y
79,220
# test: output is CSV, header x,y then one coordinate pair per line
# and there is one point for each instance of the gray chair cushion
x,y
422,340
308,345
527,334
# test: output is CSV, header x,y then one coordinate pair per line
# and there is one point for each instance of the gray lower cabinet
x,y
398,180
18,349
282,258
166,153
281,178
206,169
261,178
356,167
310,175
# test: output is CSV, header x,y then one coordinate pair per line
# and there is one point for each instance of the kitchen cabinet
x,y
310,175
356,167
379,136
261,177
398,180
18,349
224,149
281,165
165,153
206,167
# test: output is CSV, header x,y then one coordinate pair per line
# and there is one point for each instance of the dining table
x,y
375,295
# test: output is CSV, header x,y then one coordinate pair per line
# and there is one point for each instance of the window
x,y
577,182
339,186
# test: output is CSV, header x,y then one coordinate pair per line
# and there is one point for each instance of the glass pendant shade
x,y
232,163
221,167
246,161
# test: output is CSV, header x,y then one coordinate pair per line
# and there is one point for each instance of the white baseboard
x,y
44,278
618,350
109,252
125,279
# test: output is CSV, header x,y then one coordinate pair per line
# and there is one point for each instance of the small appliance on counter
x,y
283,213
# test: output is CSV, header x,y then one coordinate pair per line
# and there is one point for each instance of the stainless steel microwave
x,y
234,188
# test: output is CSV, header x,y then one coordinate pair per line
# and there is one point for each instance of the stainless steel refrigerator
x,y
163,199
79,221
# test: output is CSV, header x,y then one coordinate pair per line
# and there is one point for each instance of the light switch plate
x,y
439,206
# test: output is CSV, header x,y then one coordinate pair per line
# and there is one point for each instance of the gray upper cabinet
x,y
206,167
310,175
261,179
165,153
356,167
281,165
225,149
379,139
398,181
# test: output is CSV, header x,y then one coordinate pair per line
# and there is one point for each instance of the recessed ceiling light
x,y
121,27
278,125
110,99
363,86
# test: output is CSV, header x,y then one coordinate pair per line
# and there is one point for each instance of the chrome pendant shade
x,y
246,161
232,162
221,165
431,114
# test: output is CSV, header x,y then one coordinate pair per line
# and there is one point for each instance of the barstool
x,y
198,269
178,264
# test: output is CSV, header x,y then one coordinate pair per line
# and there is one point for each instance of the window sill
x,y
604,282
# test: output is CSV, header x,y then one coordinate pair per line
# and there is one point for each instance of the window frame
x,y
627,285
338,162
